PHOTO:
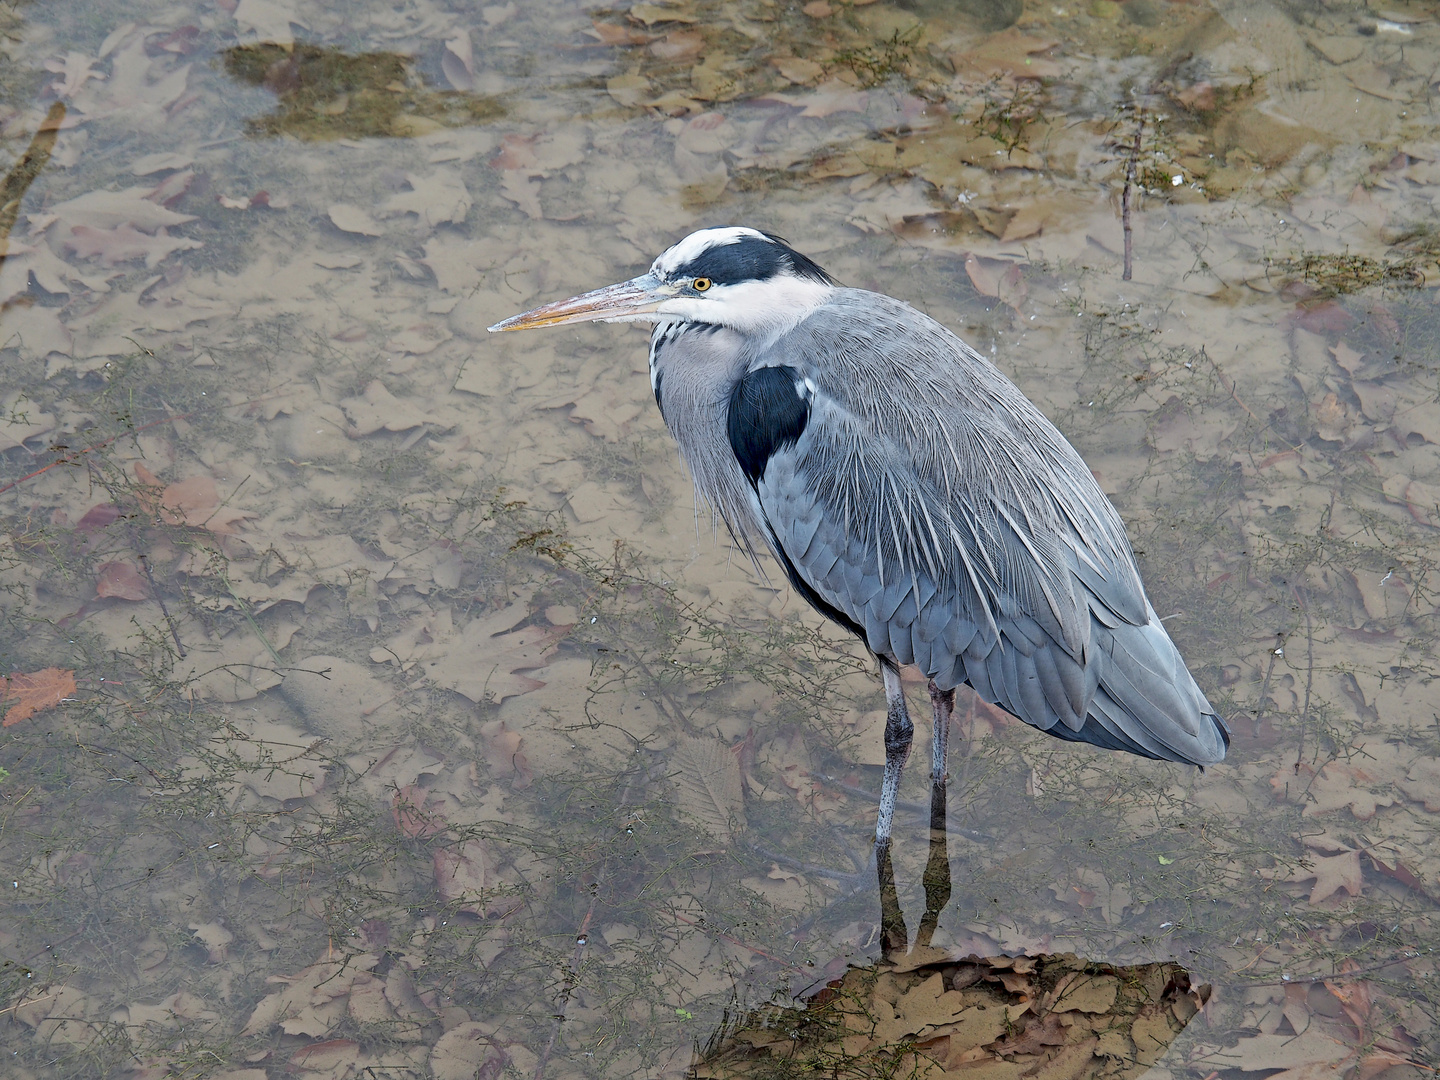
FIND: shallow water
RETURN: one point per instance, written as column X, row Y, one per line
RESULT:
column 420, row 725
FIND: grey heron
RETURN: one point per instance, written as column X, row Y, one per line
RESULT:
column 911, row 493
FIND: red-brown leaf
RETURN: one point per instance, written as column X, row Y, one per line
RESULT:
column 610, row 34
column 516, row 152
column 36, row 691
column 121, row 581
column 413, row 817
column 98, row 517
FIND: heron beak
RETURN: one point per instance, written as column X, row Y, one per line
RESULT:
column 638, row 296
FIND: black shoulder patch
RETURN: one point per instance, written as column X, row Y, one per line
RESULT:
column 659, row 378
column 767, row 413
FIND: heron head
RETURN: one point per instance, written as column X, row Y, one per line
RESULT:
column 736, row 277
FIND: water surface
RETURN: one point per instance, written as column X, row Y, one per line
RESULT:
column 420, row 725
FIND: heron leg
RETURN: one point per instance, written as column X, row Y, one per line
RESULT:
column 943, row 702
column 898, row 733
column 937, row 866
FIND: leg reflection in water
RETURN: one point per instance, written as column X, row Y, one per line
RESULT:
column 953, row 1012
column 894, row 938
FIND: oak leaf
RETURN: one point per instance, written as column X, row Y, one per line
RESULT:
column 124, row 243
column 435, row 199
column 517, row 153
column 110, row 209
column 827, row 99
column 1333, row 873
column 1336, row 786
column 38, row 690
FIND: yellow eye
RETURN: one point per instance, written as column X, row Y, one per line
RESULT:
column 700, row 284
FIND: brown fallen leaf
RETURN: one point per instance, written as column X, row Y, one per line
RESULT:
column 75, row 70
column 516, row 152
column 1332, row 873
column 502, row 751
column 467, row 1052
column 1337, row 785
column 125, row 243
column 215, row 937
column 1010, row 53
column 111, row 209
column 615, row 35
column 1393, row 868
column 35, row 692
column 797, row 69
column 629, row 89
column 1422, row 783
column 827, row 99
column 338, row 1057
column 1035, row 1037
column 193, row 501
column 352, row 219
column 313, row 1000
column 496, row 666
column 121, row 581
column 435, row 199
column 368, row 1003
column 181, row 41
column 679, row 45
column 650, row 14
column 98, row 517
column 21, row 420
column 998, row 278
column 463, row 876
column 954, row 1015
column 706, row 776
column 378, row 409
column 416, row 816
column 1332, row 418
column 523, row 192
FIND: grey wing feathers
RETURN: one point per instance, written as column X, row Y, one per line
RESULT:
column 942, row 517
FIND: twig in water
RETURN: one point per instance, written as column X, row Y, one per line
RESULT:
column 155, row 592
column 803, row 867
column 1304, row 980
column 1309, row 673
column 1125, row 192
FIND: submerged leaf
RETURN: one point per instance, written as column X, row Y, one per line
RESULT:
column 121, row 581
column 707, row 785
column 38, row 690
